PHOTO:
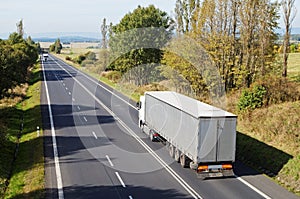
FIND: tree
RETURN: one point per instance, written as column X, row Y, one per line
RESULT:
column 20, row 28
column 104, row 34
column 56, row 47
column 110, row 31
column 289, row 14
column 184, row 12
column 16, row 55
column 137, row 40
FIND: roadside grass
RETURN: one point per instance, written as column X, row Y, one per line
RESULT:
column 10, row 126
column 270, row 141
column 28, row 168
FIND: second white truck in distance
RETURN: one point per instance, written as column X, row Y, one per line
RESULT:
column 198, row 135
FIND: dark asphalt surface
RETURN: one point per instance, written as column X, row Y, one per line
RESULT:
column 103, row 154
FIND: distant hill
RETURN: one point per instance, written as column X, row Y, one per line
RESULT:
column 294, row 31
column 66, row 39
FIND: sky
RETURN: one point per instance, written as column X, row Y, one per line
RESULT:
column 75, row 15
column 69, row 15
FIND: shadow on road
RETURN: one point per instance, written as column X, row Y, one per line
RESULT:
column 91, row 192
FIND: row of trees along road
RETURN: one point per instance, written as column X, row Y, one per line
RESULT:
column 16, row 55
column 239, row 36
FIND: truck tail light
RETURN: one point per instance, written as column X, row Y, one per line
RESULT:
column 227, row 166
column 202, row 168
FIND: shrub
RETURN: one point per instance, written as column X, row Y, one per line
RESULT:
column 90, row 56
column 252, row 98
column 68, row 58
column 113, row 76
column 80, row 59
column 280, row 90
column 268, row 91
column 87, row 63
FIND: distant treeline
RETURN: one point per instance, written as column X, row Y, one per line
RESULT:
column 16, row 56
column 294, row 37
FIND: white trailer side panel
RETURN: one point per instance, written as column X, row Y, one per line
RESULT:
column 202, row 132
column 176, row 126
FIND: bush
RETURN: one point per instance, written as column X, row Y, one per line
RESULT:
column 113, row 75
column 252, row 98
column 90, row 56
column 87, row 63
column 268, row 91
column 68, row 58
column 280, row 90
column 80, row 59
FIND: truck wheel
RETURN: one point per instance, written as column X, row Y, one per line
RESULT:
column 184, row 161
column 193, row 165
column 151, row 136
column 177, row 155
column 171, row 150
column 141, row 124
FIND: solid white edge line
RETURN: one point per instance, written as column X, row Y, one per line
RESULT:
column 252, row 187
column 108, row 159
column 120, row 179
column 55, row 151
column 184, row 184
column 94, row 134
column 130, row 197
column 128, row 129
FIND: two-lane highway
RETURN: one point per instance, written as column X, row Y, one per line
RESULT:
column 94, row 148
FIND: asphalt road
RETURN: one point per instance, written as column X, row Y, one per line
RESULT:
column 94, row 149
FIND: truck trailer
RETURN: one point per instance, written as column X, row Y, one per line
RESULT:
column 197, row 135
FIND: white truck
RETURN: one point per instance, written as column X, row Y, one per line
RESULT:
column 196, row 134
column 45, row 56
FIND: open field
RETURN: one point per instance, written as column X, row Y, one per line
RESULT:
column 81, row 46
column 294, row 66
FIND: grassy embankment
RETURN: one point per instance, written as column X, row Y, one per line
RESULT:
column 25, row 173
column 268, row 139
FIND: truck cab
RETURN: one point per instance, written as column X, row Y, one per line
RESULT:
column 141, row 108
column 45, row 56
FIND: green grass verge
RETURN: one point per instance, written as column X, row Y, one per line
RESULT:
column 294, row 66
column 28, row 168
column 270, row 142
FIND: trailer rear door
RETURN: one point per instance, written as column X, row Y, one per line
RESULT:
column 217, row 139
column 207, row 140
column 226, row 140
